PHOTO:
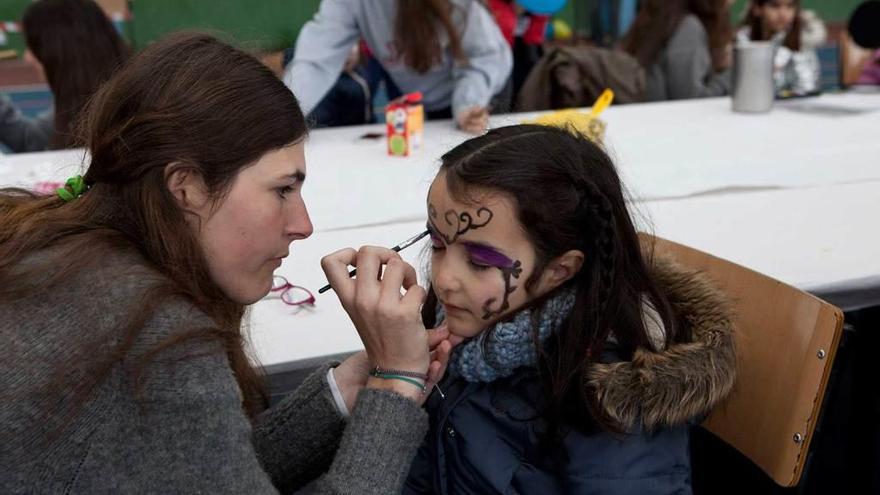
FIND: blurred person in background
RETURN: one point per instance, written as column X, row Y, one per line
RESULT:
column 452, row 51
column 76, row 48
column 684, row 46
column 796, row 33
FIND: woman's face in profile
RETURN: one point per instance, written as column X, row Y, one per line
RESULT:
column 247, row 234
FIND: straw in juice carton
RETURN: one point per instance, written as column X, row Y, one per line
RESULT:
column 405, row 119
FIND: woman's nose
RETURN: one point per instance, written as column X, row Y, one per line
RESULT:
column 299, row 224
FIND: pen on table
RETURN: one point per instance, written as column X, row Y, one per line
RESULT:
column 400, row 247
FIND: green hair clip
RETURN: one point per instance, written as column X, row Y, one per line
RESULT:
column 73, row 188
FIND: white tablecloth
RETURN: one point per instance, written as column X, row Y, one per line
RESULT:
column 822, row 240
column 663, row 150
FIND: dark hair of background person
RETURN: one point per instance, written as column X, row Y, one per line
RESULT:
column 416, row 33
column 864, row 25
column 568, row 195
column 657, row 21
column 756, row 26
column 169, row 106
column 79, row 49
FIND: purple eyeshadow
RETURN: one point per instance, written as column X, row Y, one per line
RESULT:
column 487, row 256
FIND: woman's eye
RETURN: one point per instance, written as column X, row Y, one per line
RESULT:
column 284, row 191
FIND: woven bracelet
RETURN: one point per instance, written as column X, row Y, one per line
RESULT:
column 386, row 376
column 412, row 374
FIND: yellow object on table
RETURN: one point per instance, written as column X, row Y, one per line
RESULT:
column 588, row 124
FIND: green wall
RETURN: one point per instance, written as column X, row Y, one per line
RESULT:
column 12, row 10
column 275, row 23
column 828, row 10
column 271, row 23
column 263, row 23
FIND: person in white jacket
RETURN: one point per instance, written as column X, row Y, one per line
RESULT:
column 797, row 33
column 452, row 51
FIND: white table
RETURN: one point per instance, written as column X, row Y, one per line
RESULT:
column 795, row 236
column 663, row 150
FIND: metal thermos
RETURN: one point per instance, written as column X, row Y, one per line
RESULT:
column 753, row 87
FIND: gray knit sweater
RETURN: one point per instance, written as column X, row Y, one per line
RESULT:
column 186, row 431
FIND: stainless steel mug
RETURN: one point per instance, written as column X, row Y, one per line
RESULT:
column 753, row 87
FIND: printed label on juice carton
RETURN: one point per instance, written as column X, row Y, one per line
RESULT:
column 405, row 120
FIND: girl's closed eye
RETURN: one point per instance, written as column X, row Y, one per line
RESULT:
column 477, row 265
column 482, row 257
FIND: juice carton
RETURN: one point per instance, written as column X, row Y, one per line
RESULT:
column 405, row 120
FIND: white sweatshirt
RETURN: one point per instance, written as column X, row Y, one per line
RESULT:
column 326, row 40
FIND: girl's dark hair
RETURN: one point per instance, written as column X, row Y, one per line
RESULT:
column 79, row 49
column 416, row 33
column 567, row 195
column 658, row 20
column 756, row 26
column 187, row 100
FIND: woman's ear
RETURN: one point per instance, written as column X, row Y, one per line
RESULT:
column 187, row 187
column 561, row 269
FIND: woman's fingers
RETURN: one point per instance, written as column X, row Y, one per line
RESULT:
column 454, row 339
column 437, row 335
column 370, row 260
column 335, row 266
column 398, row 274
column 439, row 362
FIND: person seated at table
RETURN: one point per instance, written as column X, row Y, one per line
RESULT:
column 450, row 50
column 123, row 295
column 75, row 47
column 586, row 361
column 797, row 33
column 684, row 46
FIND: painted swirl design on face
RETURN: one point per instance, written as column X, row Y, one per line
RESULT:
column 460, row 222
column 507, row 273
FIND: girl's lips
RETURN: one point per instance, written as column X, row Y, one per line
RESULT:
column 453, row 308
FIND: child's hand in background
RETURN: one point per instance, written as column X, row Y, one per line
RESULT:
column 474, row 120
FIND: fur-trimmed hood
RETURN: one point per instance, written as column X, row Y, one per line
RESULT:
column 683, row 381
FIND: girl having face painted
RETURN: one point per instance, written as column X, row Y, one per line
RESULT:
column 584, row 360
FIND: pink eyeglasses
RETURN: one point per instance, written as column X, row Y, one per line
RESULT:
column 293, row 295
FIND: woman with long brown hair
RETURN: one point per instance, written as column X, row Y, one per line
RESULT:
column 684, row 46
column 77, row 48
column 123, row 295
column 450, row 50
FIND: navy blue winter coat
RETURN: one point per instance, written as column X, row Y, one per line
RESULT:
column 488, row 438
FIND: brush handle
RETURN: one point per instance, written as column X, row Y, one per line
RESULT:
column 396, row 249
